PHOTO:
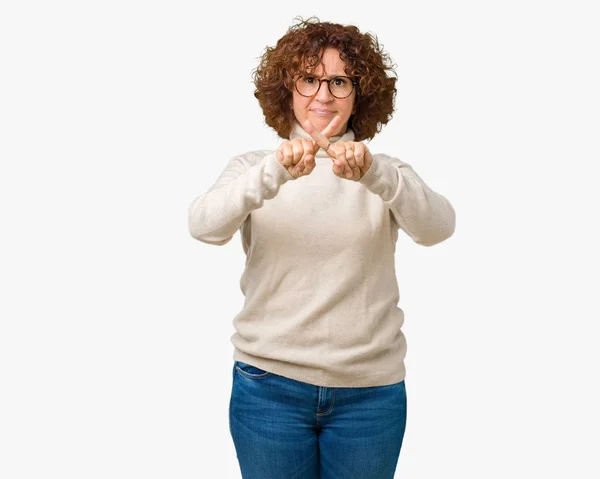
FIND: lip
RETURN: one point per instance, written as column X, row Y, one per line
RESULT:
column 322, row 111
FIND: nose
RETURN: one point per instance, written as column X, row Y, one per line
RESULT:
column 324, row 95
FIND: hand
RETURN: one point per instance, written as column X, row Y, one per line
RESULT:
column 351, row 159
column 298, row 155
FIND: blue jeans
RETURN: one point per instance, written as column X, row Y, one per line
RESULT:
column 288, row 429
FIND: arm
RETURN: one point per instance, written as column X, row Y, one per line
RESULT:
column 426, row 216
column 215, row 216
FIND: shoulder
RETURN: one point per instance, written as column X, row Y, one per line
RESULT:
column 392, row 160
column 251, row 158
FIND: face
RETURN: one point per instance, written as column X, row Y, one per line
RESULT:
column 321, row 108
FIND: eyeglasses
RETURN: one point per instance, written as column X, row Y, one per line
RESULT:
column 340, row 87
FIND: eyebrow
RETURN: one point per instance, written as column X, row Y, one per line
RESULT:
column 329, row 77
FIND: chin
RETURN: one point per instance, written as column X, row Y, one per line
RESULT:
column 321, row 121
column 314, row 119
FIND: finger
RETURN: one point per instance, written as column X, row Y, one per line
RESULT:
column 309, row 164
column 359, row 155
column 340, row 158
column 327, row 131
column 286, row 153
column 351, row 159
column 344, row 151
column 298, row 151
column 322, row 138
column 319, row 138
column 338, row 168
column 309, row 147
column 315, row 147
column 299, row 168
column 332, row 127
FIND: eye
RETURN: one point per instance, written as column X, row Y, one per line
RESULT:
column 340, row 81
column 309, row 80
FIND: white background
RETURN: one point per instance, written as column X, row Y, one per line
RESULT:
column 115, row 359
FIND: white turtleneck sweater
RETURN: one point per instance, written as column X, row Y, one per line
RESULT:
column 320, row 287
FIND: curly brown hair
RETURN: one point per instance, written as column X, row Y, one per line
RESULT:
column 301, row 49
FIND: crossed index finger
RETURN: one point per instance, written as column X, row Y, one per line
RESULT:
column 322, row 137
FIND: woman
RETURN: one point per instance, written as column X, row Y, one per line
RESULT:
column 318, row 374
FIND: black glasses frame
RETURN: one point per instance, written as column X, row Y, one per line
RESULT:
column 328, row 87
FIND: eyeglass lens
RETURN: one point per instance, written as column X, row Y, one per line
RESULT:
column 340, row 87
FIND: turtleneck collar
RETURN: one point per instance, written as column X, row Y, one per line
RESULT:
column 299, row 132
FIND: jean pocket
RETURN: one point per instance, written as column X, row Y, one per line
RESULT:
column 249, row 371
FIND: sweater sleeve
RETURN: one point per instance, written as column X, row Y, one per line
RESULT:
column 215, row 216
column 426, row 216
